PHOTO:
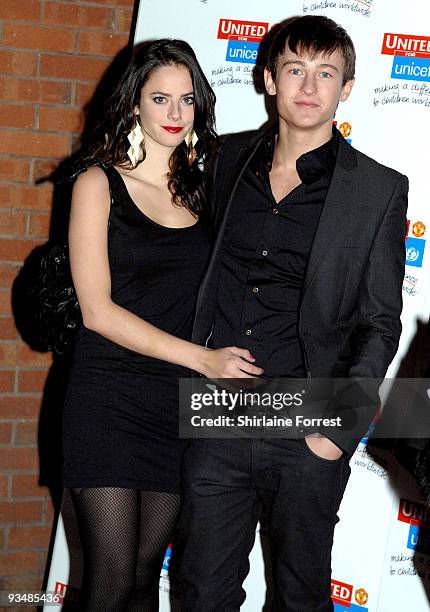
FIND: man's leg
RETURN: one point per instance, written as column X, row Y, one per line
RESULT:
column 302, row 517
column 219, row 518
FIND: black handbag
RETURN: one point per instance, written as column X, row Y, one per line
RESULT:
column 45, row 304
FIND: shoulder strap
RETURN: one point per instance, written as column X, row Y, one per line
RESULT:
column 67, row 172
column 82, row 165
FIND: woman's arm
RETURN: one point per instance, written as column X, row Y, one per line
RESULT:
column 91, row 276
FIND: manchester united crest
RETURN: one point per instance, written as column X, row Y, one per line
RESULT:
column 345, row 129
column 361, row 596
column 418, row 229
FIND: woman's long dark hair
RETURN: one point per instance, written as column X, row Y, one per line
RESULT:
column 108, row 140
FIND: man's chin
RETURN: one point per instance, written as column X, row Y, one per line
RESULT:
column 307, row 123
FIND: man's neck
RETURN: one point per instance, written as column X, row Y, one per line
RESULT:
column 293, row 142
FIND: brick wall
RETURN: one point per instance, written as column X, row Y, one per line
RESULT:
column 52, row 54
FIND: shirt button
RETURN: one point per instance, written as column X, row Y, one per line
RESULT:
column 255, row 290
column 264, row 253
column 248, row 332
column 275, row 211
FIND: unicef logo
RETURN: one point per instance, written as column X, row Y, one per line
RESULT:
column 412, row 254
column 415, row 252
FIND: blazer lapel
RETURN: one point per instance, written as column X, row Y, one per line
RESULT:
column 333, row 215
column 226, row 184
column 224, row 195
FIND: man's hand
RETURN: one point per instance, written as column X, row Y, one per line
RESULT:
column 323, row 447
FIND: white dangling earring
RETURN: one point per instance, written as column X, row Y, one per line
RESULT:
column 136, row 139
column 191, row 140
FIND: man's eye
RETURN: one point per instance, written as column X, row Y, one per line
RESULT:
column 159, row 99
column 189, row 100
column 295, row 71
column 325, row 75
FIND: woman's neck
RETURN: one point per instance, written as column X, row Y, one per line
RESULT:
column 155, row 167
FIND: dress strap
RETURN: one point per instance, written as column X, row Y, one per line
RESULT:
column 67, row 172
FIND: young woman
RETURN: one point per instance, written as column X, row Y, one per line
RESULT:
column 138, row 247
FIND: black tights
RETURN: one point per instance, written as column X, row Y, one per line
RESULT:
column 124, row 534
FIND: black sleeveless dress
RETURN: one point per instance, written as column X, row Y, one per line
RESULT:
column 120, row 425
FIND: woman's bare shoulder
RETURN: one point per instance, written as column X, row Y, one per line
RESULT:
column 92, row 179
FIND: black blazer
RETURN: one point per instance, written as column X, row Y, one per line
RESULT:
column 349, row 316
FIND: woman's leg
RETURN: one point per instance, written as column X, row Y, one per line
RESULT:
column 158, row 518
column 108, row 520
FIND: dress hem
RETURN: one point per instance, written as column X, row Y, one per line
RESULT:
column 129, row 484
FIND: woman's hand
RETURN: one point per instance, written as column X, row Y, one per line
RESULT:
column 228, row 362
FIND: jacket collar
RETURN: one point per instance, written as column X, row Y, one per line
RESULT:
column 346, row 157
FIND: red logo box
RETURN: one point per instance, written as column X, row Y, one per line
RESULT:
column 405, row 44
column 341, row 593
column 235, row 29
column 413, row 513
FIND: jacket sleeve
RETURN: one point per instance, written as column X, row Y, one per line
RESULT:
column 375, row 338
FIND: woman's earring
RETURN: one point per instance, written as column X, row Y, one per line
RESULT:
column 191, row 140
column 136, row 139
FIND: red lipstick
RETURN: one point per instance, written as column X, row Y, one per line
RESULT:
column 172, row 129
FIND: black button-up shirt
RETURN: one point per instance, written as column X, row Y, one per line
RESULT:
column 265, row 254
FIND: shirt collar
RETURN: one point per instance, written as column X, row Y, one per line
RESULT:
column 311, row 166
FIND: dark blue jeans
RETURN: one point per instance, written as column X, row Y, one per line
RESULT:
column 226, row 484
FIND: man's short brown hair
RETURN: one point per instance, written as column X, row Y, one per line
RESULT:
column 312, row 34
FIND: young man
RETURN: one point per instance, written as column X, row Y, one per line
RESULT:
column 306, row 274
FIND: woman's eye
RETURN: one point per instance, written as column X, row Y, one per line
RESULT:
column 159, row 99
column 325, row 75
column 189, row 100
column 295, row 71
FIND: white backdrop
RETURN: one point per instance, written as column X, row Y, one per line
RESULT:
column 375, row 564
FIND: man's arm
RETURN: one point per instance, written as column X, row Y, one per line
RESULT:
column 375, row 338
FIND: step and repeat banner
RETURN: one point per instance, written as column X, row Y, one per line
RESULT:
column 381, row 555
